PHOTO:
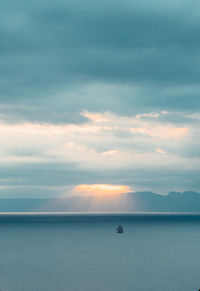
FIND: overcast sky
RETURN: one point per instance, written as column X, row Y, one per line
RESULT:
column 99, row 92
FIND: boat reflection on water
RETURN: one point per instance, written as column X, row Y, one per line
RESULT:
column 119, row 229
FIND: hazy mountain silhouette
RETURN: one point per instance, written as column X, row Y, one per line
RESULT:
column 138, row 202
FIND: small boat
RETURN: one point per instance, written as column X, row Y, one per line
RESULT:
column 119, row 229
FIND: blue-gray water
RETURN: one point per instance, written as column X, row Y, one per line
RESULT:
column 81, row 252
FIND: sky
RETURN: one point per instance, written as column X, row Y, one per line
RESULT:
column 99, row 93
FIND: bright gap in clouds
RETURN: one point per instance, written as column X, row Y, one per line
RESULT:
column 101, row 190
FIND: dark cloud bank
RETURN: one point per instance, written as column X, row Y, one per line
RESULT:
column 52, row 53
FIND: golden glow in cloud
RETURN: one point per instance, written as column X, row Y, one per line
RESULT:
column 96, row 117
column 100, row 190
column 110, row 153
column 160, row 151
column 161, row 131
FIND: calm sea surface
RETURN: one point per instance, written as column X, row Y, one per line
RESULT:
column 82, row 252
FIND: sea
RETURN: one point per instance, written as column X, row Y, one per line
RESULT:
column 83, row 252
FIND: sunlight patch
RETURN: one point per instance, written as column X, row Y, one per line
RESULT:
column 101, row 190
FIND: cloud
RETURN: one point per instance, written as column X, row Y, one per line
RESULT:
column 92, row 144
column 100, row 88
column 58, row 60
column 160, row 151
column 94, row 151
column 108, row 153
column 162, row 132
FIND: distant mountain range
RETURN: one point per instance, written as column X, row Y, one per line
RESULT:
column 137, row 202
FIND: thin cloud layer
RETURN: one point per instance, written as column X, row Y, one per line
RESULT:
column 106, row 142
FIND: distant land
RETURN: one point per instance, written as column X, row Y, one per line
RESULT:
column 137, row 202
